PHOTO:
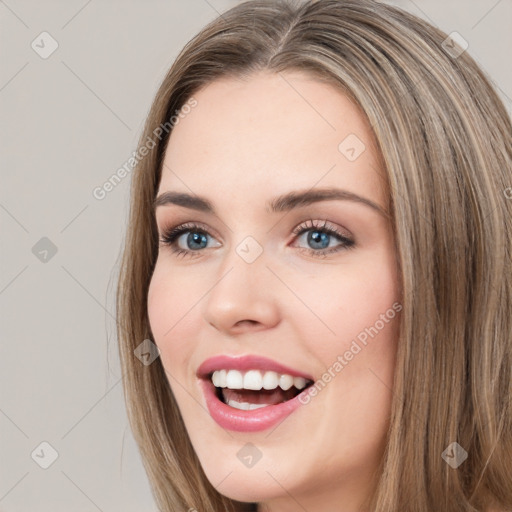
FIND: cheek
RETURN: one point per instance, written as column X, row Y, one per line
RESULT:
column 159, row 305
column 372, row 315
column 170, row 315
column 347, row 302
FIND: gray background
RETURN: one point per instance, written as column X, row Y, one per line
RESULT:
column 68, row 123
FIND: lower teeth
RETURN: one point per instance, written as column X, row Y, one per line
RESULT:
column 245, row 406
column 248, row 400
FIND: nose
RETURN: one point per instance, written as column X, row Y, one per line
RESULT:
column 242, row 297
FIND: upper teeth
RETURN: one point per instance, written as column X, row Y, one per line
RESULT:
column 253, row 379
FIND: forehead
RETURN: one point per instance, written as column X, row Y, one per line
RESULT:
column 269, row 133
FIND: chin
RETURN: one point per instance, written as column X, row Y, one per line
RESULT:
column 244, row 484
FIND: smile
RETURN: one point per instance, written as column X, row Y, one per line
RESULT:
column 250, row 397
column 233, row 387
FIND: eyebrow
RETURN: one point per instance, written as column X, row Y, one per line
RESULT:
column 283, row 203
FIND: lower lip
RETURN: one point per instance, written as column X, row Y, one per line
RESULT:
column 256, row 420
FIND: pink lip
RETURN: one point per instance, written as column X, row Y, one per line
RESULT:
column 230, row 418
column 246, row 421
column 244, row 363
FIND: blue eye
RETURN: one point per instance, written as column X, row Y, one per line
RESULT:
column 196, row 239
column 319, row 237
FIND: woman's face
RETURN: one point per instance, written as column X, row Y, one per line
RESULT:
column 310, row 285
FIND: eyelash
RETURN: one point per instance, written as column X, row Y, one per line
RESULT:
column 170, row 236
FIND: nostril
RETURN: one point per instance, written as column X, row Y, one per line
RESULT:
column 242, row 322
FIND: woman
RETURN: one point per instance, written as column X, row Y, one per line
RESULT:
column 320, row 247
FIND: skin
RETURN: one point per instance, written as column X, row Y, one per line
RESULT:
column 244, row 143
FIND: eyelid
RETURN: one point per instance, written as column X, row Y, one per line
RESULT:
column 322, row 224
column 301, row 226
column 170, row 236
column 191, row 225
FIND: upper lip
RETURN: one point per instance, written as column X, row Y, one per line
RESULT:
column 246, row 362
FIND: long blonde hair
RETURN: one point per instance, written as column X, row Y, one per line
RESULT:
column 445, row 142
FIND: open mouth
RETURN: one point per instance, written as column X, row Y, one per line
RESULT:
column 254, row 389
